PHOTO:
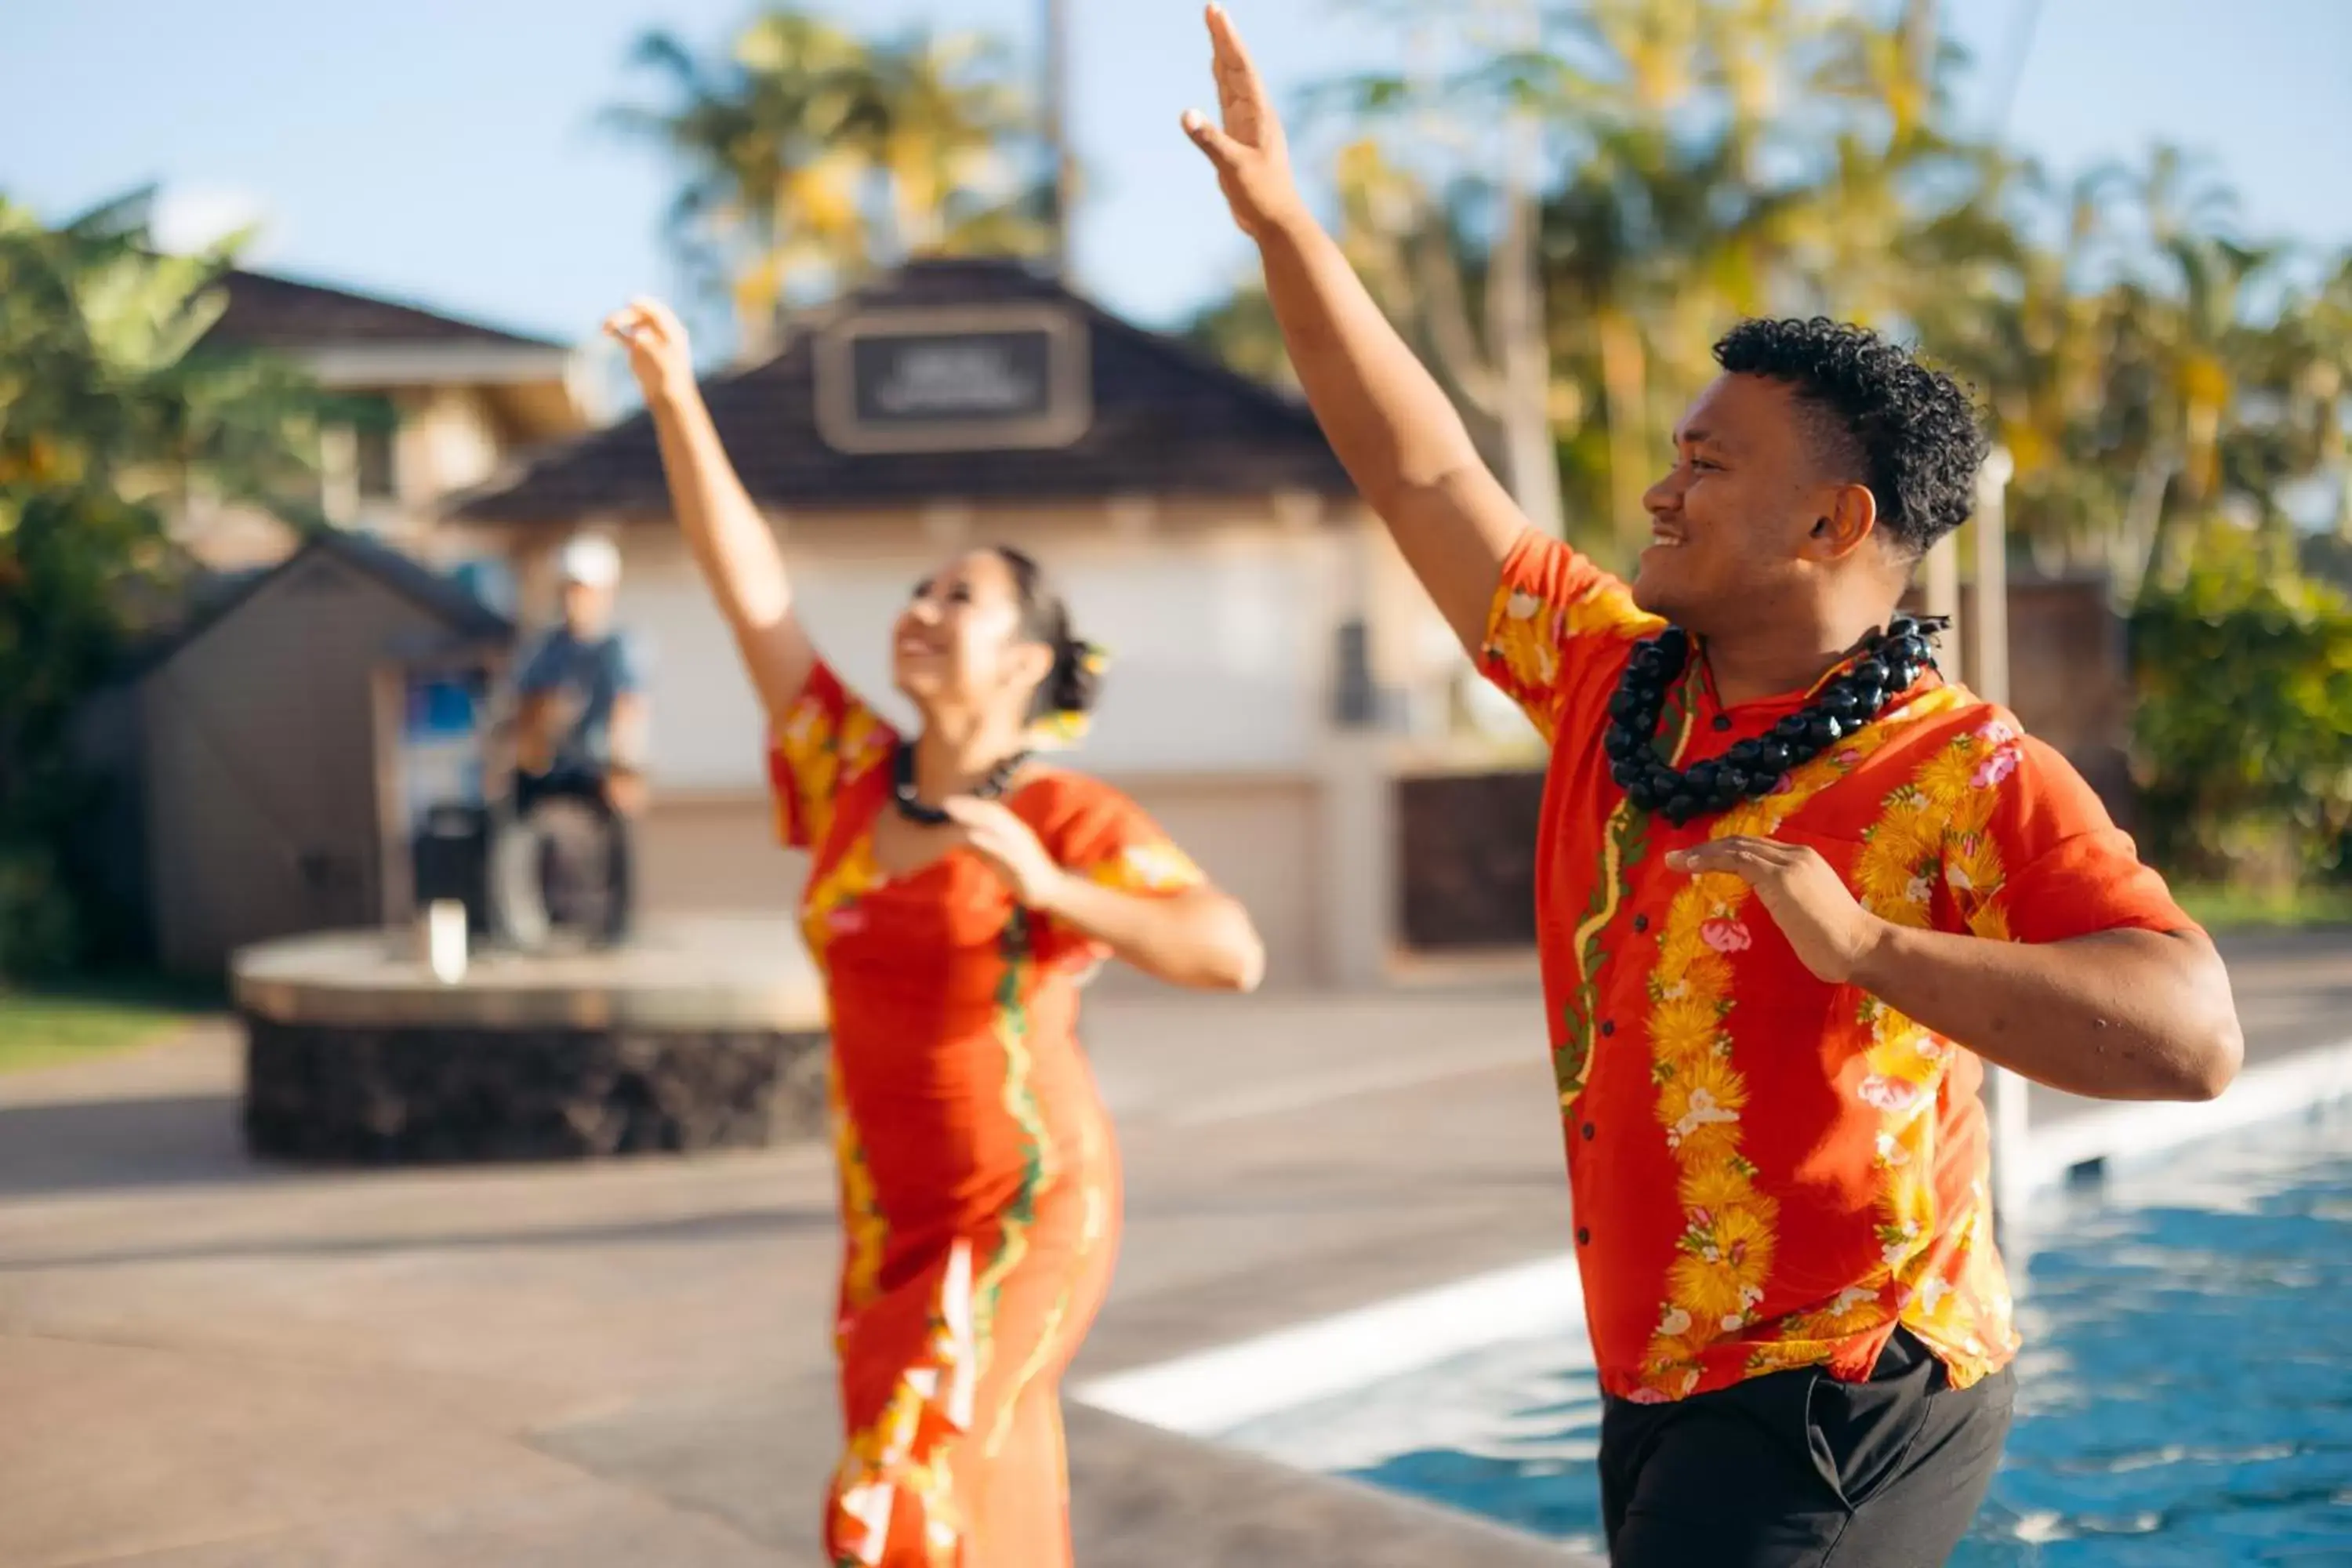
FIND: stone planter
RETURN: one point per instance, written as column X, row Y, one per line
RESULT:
column 324, row 1092
column 700, row 1035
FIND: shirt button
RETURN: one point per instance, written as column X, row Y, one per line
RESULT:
column 1583, row 1236
column 1723, row 720
column 1608, row 1028
column 1588, row 1133
column 1641, row 922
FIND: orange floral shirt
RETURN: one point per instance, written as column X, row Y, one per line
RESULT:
column 1769, row 1172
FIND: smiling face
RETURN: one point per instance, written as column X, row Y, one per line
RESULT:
column 1750, row 513
column 962, row 642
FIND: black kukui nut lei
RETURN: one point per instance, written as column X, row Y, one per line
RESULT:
column 902, row 786
column 1889, row 662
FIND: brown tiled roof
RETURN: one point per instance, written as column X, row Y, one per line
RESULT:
column 445, row 599
column 1167, row 421
column 271, row 312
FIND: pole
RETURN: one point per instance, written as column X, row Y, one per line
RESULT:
column 1989, row 646
column 1940, row 588
column 1062, row 191
column 1988, row 639
column 1520, row 349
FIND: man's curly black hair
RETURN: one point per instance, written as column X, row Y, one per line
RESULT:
column 1910, row 433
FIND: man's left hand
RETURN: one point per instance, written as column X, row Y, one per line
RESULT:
column 1832, row 933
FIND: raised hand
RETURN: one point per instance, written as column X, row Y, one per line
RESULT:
column 1831, row 932
column 1251, row 154
column 659, row 355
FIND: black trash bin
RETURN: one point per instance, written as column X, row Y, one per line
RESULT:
column 452, row 860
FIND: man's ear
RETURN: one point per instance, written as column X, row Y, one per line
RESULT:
column 1848, row 517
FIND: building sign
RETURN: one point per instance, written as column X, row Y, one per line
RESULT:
column 973, row 379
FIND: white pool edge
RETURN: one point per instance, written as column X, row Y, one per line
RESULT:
column 1215, row 1390
column 2124, row 1131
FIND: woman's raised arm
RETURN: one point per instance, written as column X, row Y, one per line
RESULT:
column 731, row 541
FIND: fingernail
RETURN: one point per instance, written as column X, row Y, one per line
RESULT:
column 1192, row 120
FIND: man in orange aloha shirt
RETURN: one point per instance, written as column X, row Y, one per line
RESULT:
column 1793, row 889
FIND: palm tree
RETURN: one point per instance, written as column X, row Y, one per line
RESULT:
column 772, row 201
column 949, row 136
column 1715, row 158
column 811, row 157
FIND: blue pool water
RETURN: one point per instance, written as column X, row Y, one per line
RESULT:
column 2185, row 1396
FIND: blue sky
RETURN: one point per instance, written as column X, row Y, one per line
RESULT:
column 445, row 150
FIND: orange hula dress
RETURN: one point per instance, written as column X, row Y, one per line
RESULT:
column 979, row 1184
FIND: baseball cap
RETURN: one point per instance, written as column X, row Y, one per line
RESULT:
column 592, row 559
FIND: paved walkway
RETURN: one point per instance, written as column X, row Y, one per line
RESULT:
column 207, row 1362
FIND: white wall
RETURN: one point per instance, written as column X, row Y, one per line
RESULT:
column 1221, row 652
column 446, row 442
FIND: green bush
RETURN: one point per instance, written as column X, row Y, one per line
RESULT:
column 2244, row 727
column 110, row 416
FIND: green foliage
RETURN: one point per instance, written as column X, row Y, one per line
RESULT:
column 2244, row 729
column 111, row 418
column 2148, row 366
column 1239, row 332
column 810, row 156
column 51, row 1028
column 2223, row 907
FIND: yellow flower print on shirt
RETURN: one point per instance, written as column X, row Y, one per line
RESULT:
column 1153, row 865
column 1527, row 637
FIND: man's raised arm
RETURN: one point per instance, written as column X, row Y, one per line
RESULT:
column 1385, row 415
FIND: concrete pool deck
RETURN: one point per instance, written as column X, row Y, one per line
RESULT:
column 211, row 1363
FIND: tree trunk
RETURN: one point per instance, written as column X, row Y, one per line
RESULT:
column 1623, row 384
column 2134, row 555
column 1063, row 187
column 1522, row 354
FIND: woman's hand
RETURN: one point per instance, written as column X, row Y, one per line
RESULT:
column 733, row 544
column 1197, row 937
column 1013, row 852
column 659, row 356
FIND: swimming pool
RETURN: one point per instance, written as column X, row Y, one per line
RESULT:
column 2185, row 1395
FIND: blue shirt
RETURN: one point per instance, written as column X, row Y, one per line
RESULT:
column 585, row 677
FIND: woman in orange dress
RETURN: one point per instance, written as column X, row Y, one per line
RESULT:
column 958, row 895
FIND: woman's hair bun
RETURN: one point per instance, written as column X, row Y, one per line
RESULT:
column 1070, row 689
column 1076, row 680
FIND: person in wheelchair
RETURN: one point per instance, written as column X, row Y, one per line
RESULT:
column 581, row 717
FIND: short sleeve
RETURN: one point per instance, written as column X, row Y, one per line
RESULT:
column 2042, row 862
column 828, row 739
column 1554, row 614
column 1110, row 840
column 543, row 671
column 1100, row 834
column 630, row 661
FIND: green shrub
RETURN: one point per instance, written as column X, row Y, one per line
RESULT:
column 2243, row 733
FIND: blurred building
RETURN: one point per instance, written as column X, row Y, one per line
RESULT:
column 258, row 769
column 434, row 404
column 266, row 767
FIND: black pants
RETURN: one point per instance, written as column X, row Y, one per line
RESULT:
column 1798, row 1471
column 588, row 788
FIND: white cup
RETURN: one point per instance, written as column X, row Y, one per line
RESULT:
column 445, row 940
